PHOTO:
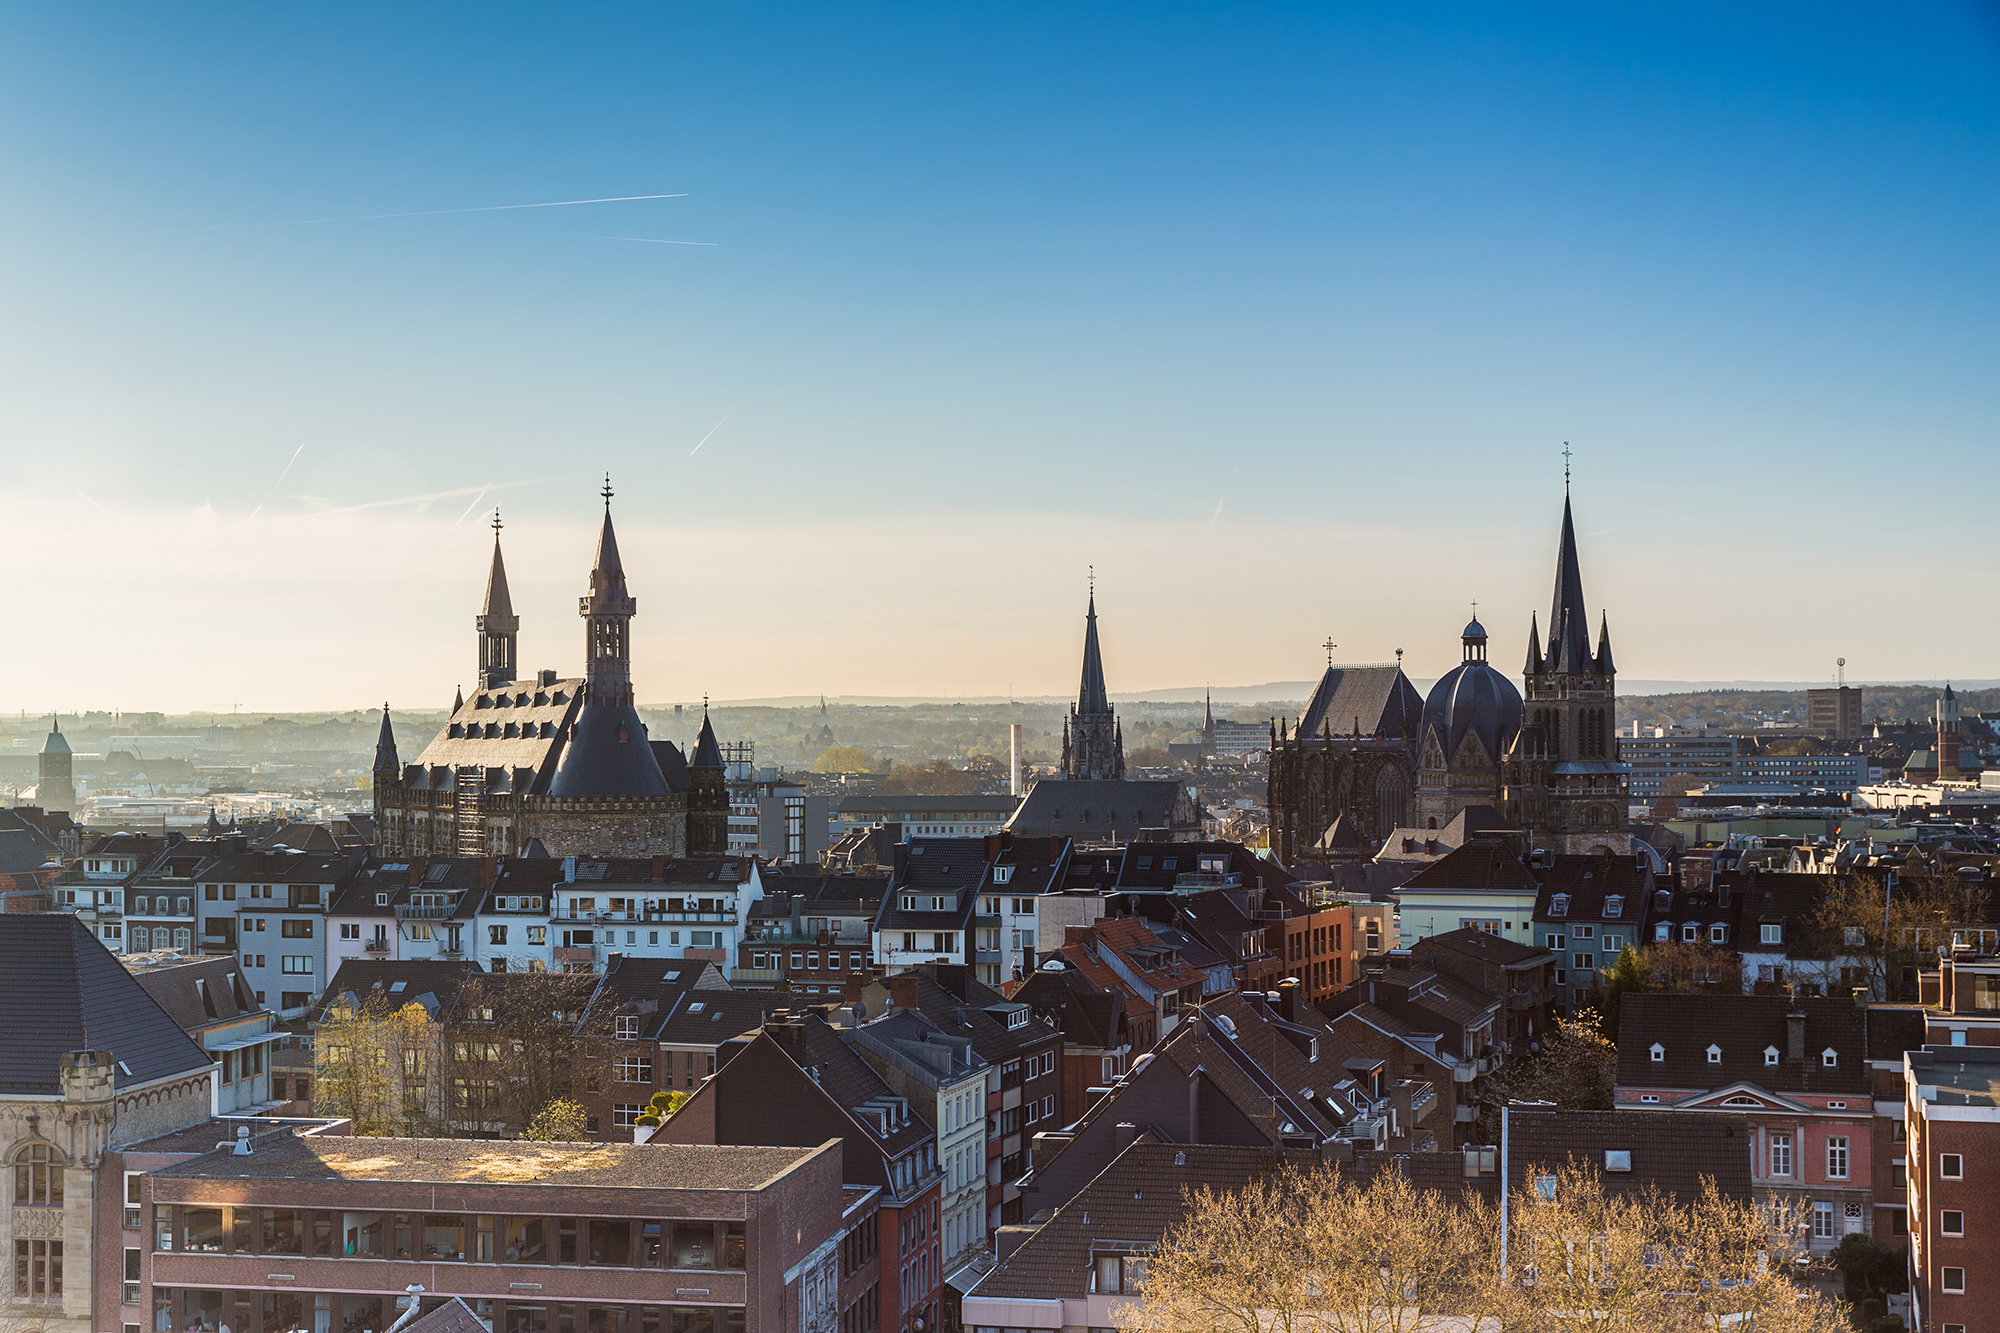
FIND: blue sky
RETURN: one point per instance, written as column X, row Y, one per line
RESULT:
column 1279, row 317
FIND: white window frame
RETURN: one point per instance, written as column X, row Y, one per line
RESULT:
column 1836, row 1157
column 1781, row 1152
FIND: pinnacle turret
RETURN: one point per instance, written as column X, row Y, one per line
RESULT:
column 497, row 624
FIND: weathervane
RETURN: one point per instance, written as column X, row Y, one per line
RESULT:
column 1565, row 467
column 607, row 492
column 1093, row 579
column 496, row 523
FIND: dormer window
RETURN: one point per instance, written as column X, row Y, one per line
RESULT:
column 1830, row 1058
column 1718, row 933
column 1559, row 905
column 1691, row 933
column 1771, row 932
column 1770, row 1057
column 1659, row 1053
column 1714, row 1054
column 1614, row 905
column 1663, row 931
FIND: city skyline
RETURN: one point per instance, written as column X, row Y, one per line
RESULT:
column 1280, row 322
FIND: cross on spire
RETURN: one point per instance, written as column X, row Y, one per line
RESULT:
column 606, row 492
column 1329, row 645
column 496, row 522
column 1475, row 610
column 1565, row 467
column 1093, row 579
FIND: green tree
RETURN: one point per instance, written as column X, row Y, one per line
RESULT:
column 844, row 759
column 936, row 778
column 662, row 1105
column 1627, row 974
column 561, row 1121
column 374, row 1062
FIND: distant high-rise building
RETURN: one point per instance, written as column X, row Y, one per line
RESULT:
column 1834, row 713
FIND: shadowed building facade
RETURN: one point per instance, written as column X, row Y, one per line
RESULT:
column 563, row 760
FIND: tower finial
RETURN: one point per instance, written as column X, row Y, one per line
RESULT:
column 607, row 492
column 1565, row 467
column 1093, row 579
column 1475, row 610
column 1329, row 645
column 496, row 522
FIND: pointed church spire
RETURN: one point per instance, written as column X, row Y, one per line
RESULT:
column 707, row 753
column 497, row 624
column 1569, row 623
column 385, row 749
column 1091, row 697
column 1534, row 666
column 1604, row 666
column 457, row 700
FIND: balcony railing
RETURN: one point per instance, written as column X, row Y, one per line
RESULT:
column 376, row 946
column 584, row 953
column 427, row 912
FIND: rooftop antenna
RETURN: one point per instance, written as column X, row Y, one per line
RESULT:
column 1565, row 467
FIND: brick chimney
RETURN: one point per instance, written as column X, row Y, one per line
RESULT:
column 1795, row 1037
column 789, row 1031
column 1288, row 999
column 903, row 990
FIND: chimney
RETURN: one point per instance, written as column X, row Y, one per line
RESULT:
column 903, row 990
column 851, row 988
column 789, row 1033
column 489, row 870
column 1795, row 1037
column 1123, row 1134
column 1288, row 999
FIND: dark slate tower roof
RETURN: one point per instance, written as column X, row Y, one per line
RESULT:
column 67, row 992
column 707, row 754
column 1092, row 697
column 1375, row 700
column 1569, row 623
column 499, row 608
column 385, row 751
column 56, row 744
column 1534, row 647
column 608, row 753
column 1604, row 665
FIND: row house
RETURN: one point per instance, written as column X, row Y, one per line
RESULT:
column 1587, row 910
column 1521, row 977
column 928, row 906
column 269, row 908
column 796, row 1082
column 1797, row 1070
column 1101, row 1024
column 95, row 885
column 1024, row 1074
column 1128, row 954
column 657, row 1027
column 1433, row 1025
column 207, row 996
column 1007, row 940
column 1251, row 1072
column 408, row 910
column 293, row 1230
column 810, row 934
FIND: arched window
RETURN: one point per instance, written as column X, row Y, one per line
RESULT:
column 38, row 1176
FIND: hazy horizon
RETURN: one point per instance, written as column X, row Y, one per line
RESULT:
column 1278, row 318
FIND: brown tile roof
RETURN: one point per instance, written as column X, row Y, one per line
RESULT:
column 1672, row 1150
column 1743, row 1027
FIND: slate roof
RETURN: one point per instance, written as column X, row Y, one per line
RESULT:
column 1743, row 1026
column 849, row 1081
column 540, row 716
column 1379, row 699
column 438, row 979
column 1569, row 623
column 683, row 1166
column 1139, row 1197
column 1671, row 1150
column 711, row 1017
column 1091, row 696
column 1159, row 865
column 1894, row 1029
column 951, row 997
column 170, row 981
column 1587, row 881
column 1484, row 865
column 66, row 992
column 21, row 853
column 454, row 1316
column 1495, row 949
column 1103, row 808
column 1088, row 1014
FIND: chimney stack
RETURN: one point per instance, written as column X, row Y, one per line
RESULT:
column 1288, row 999
column 903, row 990
column 1795, row 1037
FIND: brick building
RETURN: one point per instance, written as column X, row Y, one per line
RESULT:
column 1952, row 1108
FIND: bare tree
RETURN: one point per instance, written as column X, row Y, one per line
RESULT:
column 1577, row 1068
column 376, row 1062
column 517, row 1041
column 1307, row 1250
column 1887, row 925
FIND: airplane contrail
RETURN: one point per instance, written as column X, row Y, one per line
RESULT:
column 647, row 240
column 440, row 212
column 433, row 495
column 1218, row 501
column 281, row 477
column 716, row 427
column 475, row 502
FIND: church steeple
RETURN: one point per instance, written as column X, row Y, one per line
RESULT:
column 497, row 624
column 608, row 608
column 1534, row 647
column 1093, row 743
column 1604, row 665
column 385, row 748
column 1569, row 623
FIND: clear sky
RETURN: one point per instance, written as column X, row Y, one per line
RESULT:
column 1277, row 316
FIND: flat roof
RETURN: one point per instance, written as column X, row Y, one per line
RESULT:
column 1962, row 1075
column 501, row 1162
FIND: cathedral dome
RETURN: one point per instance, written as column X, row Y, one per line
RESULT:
column 1473, row 697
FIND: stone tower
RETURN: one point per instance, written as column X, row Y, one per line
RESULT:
column 55, row 789
column 1563, row 781
column 1093, row 740
column 1950, row 735
column 708, row 796
column 388, row 768
column 497, row 624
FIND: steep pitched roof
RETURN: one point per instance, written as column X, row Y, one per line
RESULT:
column 1379, row 700
column 1673, row 1151
column 1485, row 864
column 1743, row 1028
column 66, row 992
column 499, row 609
column 385, row 760
column 1091, row 696
column 1569, row 623
column 170, row 980
column 707, row 753
column 432, row 982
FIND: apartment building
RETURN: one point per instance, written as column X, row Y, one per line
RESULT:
column 1952, row 1111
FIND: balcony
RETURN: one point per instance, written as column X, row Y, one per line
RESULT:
column 1207, row 879
column 376, row 946
column 407, row 912
column 1532, row 998
column 575, row 953
column 1464, row 1072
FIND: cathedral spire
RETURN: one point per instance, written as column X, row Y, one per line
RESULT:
column 385, row 749
column 1091, row 697
column 1569, row 623
column 1534, row 647
column 1604, row 666
column 497, row 624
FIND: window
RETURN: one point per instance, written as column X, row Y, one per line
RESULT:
column 38, row 1176
column 350, row 930
column 1659, row 1053
column 1830, row 1058
column 1770, row 933
column 296, row 930
column 538, row 934
column 1650, row 1098
column 1836, row 1157
column 1718, row 934
column 1714, row 1054
column 1951, row 1166
column 1583, row 962
column 1822, row 1220
column 496, row 934
column 38, row 1269
column 626, row 1027
column 1951, row 1222
column 634, row 1068
column 296, row 965
column 624, row 1115
column 1691, row 933
column 1954, row 1279
column 1781, row 1154
column 1770, row 1056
